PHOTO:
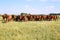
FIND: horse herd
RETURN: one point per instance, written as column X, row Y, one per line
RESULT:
column 29, row 17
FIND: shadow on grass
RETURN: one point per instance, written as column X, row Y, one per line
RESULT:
column 3, row 22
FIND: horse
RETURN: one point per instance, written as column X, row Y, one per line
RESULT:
column 6, row 17
column 52, row 17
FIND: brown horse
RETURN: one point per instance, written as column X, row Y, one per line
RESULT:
column 40, row 17
column 6, row 17
column 36, row 17
column 13, row 17
column 21, row 18
column 25, row 18
column 45, row 17
column 30, row 17
column 52, row 17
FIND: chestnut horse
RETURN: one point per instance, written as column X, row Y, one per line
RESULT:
column 6, row 17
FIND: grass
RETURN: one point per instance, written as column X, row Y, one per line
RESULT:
column 30, row 30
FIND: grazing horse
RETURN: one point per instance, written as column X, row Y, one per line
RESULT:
column 6, row 17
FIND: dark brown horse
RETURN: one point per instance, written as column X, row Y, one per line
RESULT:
column 30, row 17
column 21, row 18
column 44, row 17
column 13, row 17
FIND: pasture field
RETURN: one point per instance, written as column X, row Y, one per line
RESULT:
column 30, row 30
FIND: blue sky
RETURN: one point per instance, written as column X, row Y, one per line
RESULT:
column 29, row 6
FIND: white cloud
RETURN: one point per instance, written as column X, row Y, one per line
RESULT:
column 50, row 9
column 43, row 10
column 29, row 9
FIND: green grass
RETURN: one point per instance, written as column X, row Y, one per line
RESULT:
column 30, row 30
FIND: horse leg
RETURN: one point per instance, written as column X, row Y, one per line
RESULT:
column 6, row 20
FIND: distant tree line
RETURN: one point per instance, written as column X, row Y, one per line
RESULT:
column 54, row 14
column 24, row 14
column 39, row 14
column 42, row 14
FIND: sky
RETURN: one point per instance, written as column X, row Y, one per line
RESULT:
column 29, row 6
